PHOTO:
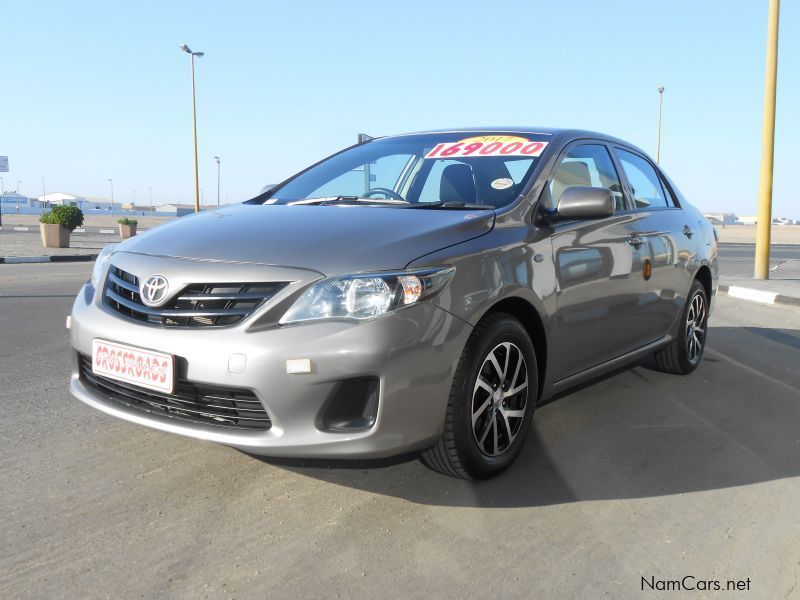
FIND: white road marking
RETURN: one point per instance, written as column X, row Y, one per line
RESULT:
column 18, row 228
column 108, row 231
column 746, row 293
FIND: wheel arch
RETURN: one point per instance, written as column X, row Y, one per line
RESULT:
column 531, row 320
column 703, row 275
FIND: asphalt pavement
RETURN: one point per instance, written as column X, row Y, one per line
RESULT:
column 639, row 475
column 738, row 260
column 15, row 245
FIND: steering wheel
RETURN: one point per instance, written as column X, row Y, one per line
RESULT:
column 386, row 192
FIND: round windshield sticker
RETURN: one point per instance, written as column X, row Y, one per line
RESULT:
column 503, row 183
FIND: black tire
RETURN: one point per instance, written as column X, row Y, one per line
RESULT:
column 459, row 453
column 685, row 352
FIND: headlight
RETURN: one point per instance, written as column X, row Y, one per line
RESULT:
column 368, row 295
column 101, row 264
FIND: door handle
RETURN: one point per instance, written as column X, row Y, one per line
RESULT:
column 688, row 231
column 635, row 241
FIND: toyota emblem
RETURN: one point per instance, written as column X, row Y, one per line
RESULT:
column 154, row 290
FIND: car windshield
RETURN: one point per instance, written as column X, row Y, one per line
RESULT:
column 436, row 170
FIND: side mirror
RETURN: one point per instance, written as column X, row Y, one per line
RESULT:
column 583, row 202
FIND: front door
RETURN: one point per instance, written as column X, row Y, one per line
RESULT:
column 599, row 269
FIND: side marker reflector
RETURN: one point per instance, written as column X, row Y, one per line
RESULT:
column 295, row 366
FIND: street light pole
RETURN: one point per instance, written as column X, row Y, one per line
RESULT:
column 44, row 195
column 217, row 159
column 186, row 49
column 660, row 103
column 112, row 195
column 149, row 189
column 764, row 224
column 17, row 191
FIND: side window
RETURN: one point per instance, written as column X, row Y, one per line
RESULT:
column 645, row 185
column 384, row 173
column 585, row 165
column 670, row 196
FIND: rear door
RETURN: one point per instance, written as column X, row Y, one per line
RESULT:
column 662, row 223
column 599, row 268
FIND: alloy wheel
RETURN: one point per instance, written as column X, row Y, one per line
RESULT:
column 696, row 328
column 499, row 399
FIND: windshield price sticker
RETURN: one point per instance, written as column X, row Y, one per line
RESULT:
column 488, row 145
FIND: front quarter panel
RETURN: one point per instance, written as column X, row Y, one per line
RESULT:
column 499, row 265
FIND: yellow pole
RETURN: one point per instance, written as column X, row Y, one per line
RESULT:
column 194, row 120
column 763, row 227
column 660, row 102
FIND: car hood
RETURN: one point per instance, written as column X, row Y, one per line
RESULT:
column 332, row 240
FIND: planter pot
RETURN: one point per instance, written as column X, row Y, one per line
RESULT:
column 54, row 236
column 127, row 231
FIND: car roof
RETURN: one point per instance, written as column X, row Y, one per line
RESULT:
column 496, row 129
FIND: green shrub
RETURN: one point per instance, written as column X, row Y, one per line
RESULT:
column 68, row 216
column 127, row 221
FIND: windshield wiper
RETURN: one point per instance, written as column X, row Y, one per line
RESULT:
column 453, row 205
column 346, row 200
column 320, row 200
column 330, row 200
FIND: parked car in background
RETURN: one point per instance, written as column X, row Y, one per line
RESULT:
column 419, row 292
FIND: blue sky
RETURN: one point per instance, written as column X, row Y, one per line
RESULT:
column 93, row 90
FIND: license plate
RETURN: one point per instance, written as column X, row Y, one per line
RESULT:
column 145, row 368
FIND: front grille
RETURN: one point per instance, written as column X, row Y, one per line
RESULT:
column 193, row 402
column 196, row 305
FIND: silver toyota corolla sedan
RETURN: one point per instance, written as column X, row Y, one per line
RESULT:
column 418, row 292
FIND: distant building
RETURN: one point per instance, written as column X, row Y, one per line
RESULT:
column 11, row 200
column 178, row 210
column 721, row 218
column 748, row 220
column 139, row 208
column 99, row 203
column 82, row 202
column 61, row 198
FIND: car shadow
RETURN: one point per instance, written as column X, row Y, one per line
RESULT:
column 638, row 433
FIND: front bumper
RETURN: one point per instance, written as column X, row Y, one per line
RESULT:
column 412, row 352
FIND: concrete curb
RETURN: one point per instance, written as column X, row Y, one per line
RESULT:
column 87, row 230
column 752, row 244
column 90, row 230
column 17, row 260
column 761, row 296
